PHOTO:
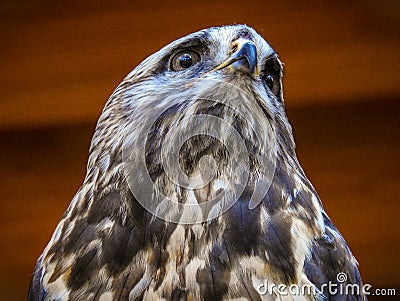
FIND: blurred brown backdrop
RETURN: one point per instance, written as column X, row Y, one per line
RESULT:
column 61, row 60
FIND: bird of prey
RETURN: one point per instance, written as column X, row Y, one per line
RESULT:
column 193, row 189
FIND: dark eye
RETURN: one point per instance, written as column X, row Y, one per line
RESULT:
column 184, row 59
column 272, row 83
column 271, row 74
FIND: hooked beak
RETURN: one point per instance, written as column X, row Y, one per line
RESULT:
column 244, row 59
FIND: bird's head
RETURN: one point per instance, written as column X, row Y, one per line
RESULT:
column 204, row 112
column 230, row 54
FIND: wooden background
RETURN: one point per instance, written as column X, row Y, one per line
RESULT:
column 61, row 60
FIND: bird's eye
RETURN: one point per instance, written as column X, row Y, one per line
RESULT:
column 272, row 83
column 271, row 75
column 184, row 59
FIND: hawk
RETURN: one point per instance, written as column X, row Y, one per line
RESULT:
column 193, row 189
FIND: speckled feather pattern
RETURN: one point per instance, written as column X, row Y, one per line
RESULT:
column 108, row 247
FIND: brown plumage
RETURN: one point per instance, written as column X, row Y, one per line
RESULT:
column 193, row 190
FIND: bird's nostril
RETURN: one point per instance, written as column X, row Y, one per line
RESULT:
column 233, row 49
